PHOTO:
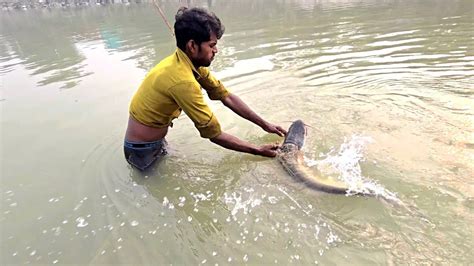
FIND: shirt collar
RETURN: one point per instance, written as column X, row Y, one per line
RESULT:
column 183, row 57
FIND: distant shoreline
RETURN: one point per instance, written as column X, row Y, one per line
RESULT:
column 24, row 5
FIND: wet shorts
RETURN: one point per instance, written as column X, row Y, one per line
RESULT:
column 143, row 154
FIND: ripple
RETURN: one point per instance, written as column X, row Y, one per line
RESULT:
column 394, row 34
column 394, row 43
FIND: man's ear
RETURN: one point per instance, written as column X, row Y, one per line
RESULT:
column 192, row 47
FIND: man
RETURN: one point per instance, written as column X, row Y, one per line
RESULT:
column 174, row 85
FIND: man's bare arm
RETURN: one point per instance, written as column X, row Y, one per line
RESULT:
column 233, row 143
column 233, row 102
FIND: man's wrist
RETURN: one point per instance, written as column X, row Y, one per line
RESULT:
column 263, row 124
column 255, row 150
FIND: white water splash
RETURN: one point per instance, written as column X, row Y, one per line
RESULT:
column 237, row 203
column 81, row 222
column 344, row 164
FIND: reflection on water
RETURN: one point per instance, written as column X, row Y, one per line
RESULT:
column 399, row 73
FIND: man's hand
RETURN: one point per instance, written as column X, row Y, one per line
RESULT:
column 268, row 150
column 271, row 128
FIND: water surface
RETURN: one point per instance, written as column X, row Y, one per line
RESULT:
column 384, row 86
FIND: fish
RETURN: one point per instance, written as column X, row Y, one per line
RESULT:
column 291, row 158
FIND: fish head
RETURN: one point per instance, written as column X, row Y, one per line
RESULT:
column 296, row 134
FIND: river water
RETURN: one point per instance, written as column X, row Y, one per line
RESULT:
column 385, row 87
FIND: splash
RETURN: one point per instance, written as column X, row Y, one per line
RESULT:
column 238, row 203
column 344, row 164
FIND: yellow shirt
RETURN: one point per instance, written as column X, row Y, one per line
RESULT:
column 173, row 85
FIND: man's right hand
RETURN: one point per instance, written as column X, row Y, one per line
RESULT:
column 269, row 150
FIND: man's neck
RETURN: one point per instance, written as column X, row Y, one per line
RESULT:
column 188, row 54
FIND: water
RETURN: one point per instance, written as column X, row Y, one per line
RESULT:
column 385, row 87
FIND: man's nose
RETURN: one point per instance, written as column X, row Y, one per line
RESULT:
column 215, row 49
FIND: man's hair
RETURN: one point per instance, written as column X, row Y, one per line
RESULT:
column 196, row 24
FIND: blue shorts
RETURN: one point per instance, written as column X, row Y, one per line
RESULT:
column 143, row 154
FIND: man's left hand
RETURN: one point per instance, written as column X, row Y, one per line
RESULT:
column 271, row 128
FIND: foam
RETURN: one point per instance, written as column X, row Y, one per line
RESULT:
column 344, row 164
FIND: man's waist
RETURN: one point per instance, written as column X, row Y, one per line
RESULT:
column 143, row 144
column 139, row 132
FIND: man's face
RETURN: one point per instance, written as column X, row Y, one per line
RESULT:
column 206, row 52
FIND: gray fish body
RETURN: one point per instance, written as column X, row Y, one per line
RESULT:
column 291, row 158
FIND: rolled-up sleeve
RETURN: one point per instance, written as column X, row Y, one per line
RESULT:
column 214, row 87
column 189, row 98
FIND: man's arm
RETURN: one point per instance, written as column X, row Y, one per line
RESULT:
column 190, row 99
column 239, row 107
column 233, row 143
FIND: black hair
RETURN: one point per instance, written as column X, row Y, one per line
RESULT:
column 196, row 24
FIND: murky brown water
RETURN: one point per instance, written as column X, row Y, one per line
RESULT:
column 386, row 86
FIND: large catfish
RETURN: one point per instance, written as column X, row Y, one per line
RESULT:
column 291, row 157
